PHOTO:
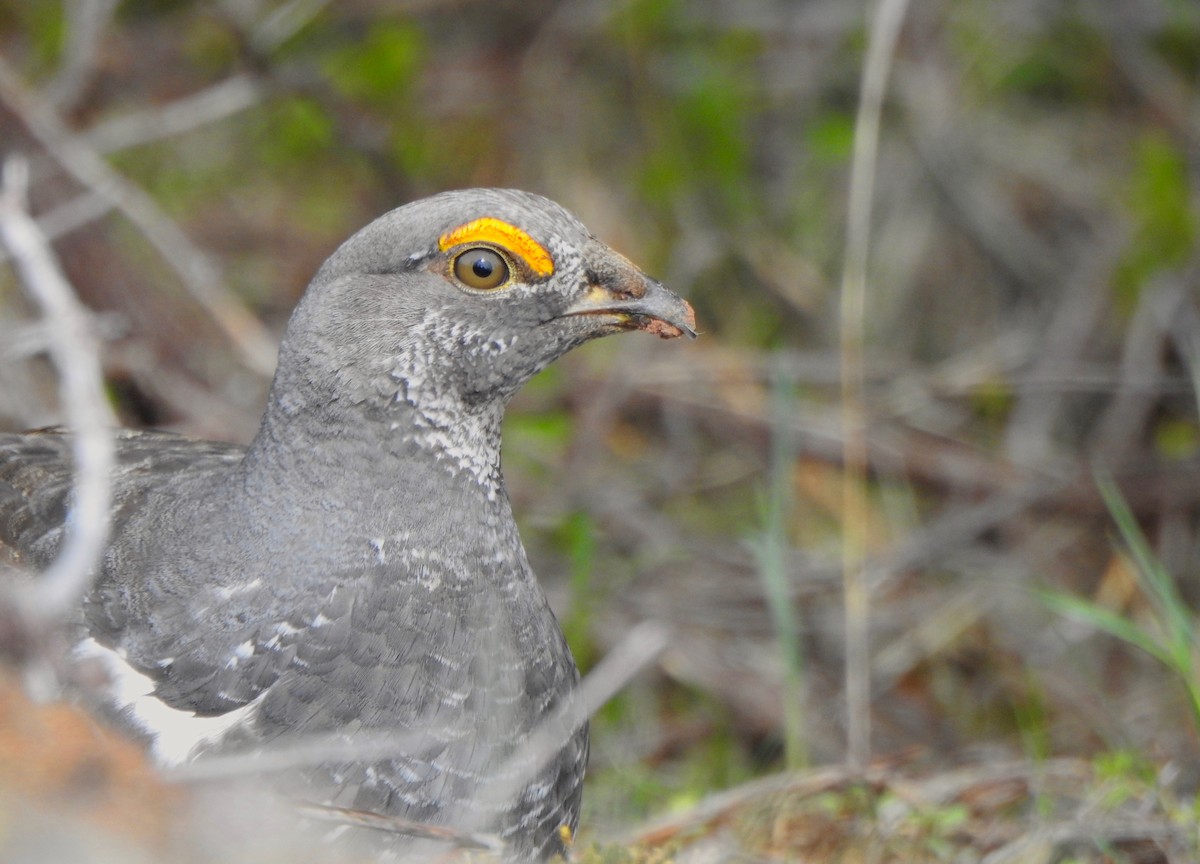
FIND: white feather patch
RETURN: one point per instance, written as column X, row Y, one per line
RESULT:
column 176, row 734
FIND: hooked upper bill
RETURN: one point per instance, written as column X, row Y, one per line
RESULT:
column 657, row 310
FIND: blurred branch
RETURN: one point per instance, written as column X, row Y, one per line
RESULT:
column 204, row 413
column 209, row 105
column 978, row 196
column 640, row 647
column 1184, row 327
column 956, row 378
column 73, row 215
column 956, row 528
column 87, row 21
column 951, row 614
column 144, row 127
column 1168, row 95
column 1126, row 418
column 721, row 805
column 979, row 211
column 946, row 465
column 254, row 344
column 302, row 751
column 1082, row 302
column 74, row 351
column 285, row 21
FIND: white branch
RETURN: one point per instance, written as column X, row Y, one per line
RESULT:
column 254, row 344
column 202, row 108
column 637, row 650
column 87, row 21
column 640, row 647
column 74, row 351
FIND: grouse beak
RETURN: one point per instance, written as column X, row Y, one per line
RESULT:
column 638, row 303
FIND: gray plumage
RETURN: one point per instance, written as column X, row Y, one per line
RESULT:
column 358, row 566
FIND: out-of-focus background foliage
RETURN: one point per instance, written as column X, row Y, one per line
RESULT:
column 1032, row 333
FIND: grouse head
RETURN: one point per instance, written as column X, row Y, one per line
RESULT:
column 449, row 304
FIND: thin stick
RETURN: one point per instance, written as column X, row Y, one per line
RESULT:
column 203, row 108
column 640, row 647
column 252, row 341
column 73, row 348
column 284, row 22
column 145, row 127
column 305, row 751
column 885, row 29
column 87, row 22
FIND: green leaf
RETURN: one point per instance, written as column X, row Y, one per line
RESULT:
column 382, row 69
column 1160, row 205
column 297, row 130
column 831, row 138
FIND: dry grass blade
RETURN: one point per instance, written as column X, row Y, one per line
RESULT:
column 885, row 30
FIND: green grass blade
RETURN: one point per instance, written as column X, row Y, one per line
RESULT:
column 1108, row 621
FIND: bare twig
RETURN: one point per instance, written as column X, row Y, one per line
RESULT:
column 1184, row 327
column 87, row 20
column 252, row 341
column 885, row 30
column 640, row 647
column 73, row 348
column 1170, row 95
column 1029, row 433
column 144, row 127
column 305, row 751
column 73, row 215
column 958, row 527
column 1127, row 416
column 984, row 216
column 285, row 21
column 202, row 108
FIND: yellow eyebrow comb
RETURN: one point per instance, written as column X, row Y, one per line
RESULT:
column 500, row 233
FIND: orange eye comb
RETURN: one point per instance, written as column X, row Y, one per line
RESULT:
column 508, row 237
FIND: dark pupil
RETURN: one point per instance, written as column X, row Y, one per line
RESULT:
column 483, row 268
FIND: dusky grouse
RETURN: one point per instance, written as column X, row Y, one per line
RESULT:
column 357, row 567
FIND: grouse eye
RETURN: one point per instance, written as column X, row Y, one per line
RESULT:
column 481, row 268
